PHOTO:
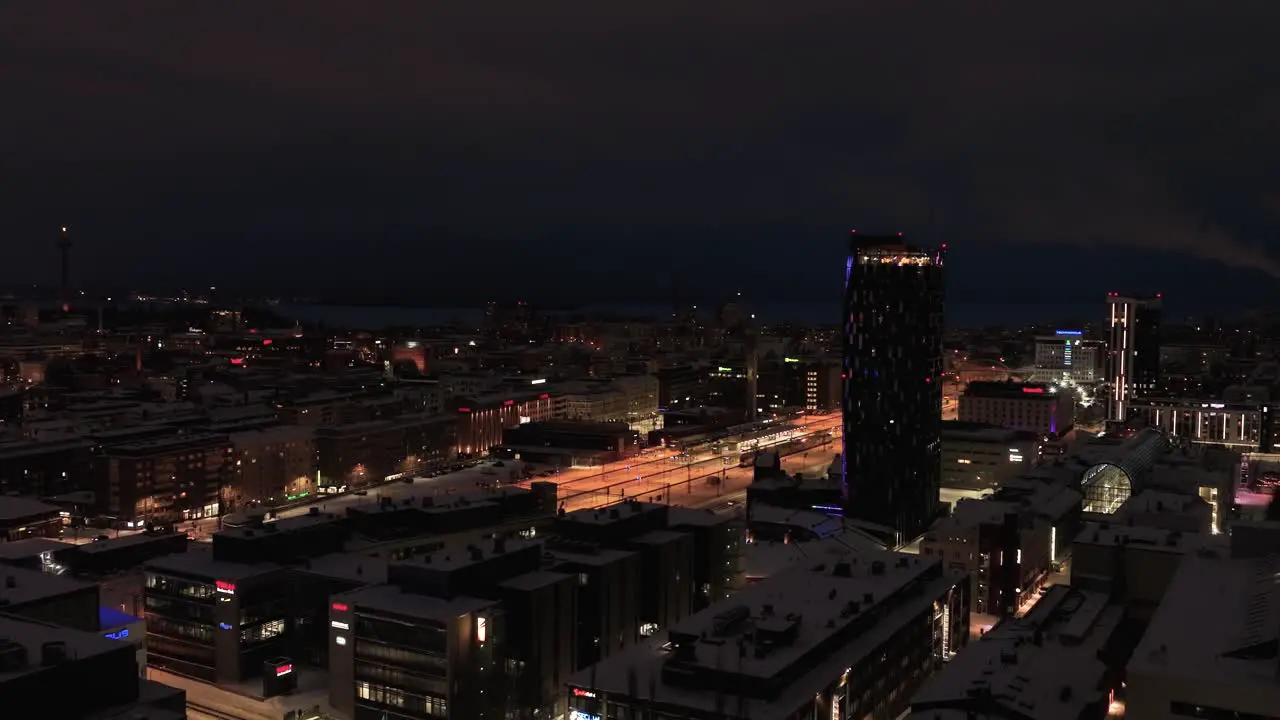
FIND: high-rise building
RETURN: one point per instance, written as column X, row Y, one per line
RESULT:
column 893, row 383
column 1133, row 358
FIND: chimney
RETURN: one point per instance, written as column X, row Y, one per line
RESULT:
column 52, row 653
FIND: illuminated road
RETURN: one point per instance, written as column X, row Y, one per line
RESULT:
column 690, row 484
column 645, row 475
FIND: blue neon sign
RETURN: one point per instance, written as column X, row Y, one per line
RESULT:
column 117, row 635
column 1072, row 333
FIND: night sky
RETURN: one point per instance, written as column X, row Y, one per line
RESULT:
column 598, row 150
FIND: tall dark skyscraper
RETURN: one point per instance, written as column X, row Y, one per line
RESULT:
column 1133, row 357
column 64, row 266
column 893, row 296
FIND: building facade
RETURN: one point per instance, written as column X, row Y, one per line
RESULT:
column 893, row 383
column 1032, row 407
column 1133, row 357
column 1068, row 356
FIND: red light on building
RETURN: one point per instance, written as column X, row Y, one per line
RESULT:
column 579, row 692
column 508, row 403
column 341, row 607
column 544, row 396
column 1033, row 391
column 284, row 670
column 266, row 341
column 464, row 409
column 237, row 361
column 223, row 586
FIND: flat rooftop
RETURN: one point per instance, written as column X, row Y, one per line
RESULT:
column 766, row 559
column 16, row 509
column 351, row 567
column 283, row 526
column 1158, row 502
column 30, row 586
column 32, row 636
column 1141, row 537
column 123, row 541
column 1215, row 611
column 610, row 514
column 575, row 553
column 534, row 580
column 198, row 562
column 691, row 517
column 391, row 599
column 456, row 555
column 30, row 547
column 1043, row 665
column 166, row 444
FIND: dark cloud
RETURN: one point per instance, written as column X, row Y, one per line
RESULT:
column 259, row 139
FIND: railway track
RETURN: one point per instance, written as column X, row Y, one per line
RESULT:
column 209, row 712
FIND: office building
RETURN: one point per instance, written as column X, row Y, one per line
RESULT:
column 221, row 615
column 663, row 586
column 1066, row 356
column 452, row 622
column 1133, row 355
column 850, row 637
column 42, row 469
column 416, row 656
column 22, row 518
column 794, row 383
column 482, row 419
column 1245, row 424
column 1059, row 661
column 681, row 387
column 65, row 673
column 212, row 620
column 1136, row 564
column 273, row 465
column 977, row 456
column 1008, row 542
column 569, row 443
column 372, row 452
column 166, row 479
column 48, row 597
column 893, row 383
column 1033, row 407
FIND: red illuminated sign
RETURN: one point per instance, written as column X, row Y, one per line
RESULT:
column 341, row 607
column 464, row 409
column 237, row 361
column 544, row 396
column 508, row 402
column 1033, row 391
column 284, row 670
column 579, row 692
column 223, row 586
column 266, row 341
